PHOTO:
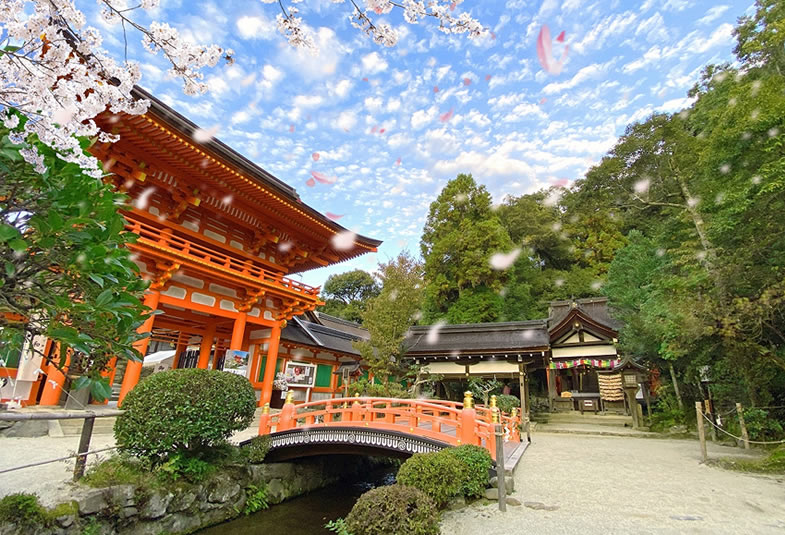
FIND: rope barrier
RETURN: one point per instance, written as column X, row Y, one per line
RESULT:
column 740, row 438
column 31, row 465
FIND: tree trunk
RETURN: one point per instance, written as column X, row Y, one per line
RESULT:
column 676, row 386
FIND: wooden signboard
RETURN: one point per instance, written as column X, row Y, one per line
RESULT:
column 299, row 374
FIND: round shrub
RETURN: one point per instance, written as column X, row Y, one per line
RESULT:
column 393, row 510
column 507, row 403
column 477, row 461
column 258, row 448
column 440, row 475
column 183, row 411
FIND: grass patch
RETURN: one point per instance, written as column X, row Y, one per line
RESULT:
column 119, row 470
column 24, row 510
column 774, row 463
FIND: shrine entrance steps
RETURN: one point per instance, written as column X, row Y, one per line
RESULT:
column 591, row 424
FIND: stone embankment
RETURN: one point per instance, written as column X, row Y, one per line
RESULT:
column 132, row 510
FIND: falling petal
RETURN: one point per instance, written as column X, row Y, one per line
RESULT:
column 561, row 182
column 493, row 36
column 365, row 79
column 284, row 247
column 343, row 241
column 315, row 156
column 332, row 216
column 63, row 115
column 204, row 163
column 382, row 130
column 467, row 81
column 487, row 77
column 291, row 128
column 109, row 163
column 436, row 89
column 310, row 182
column 502, row 261
column 398, row 161
column 560, row 39
column 227, row 199
column 143, row 199
column 453, row 5
column 324, row 179
column 558, row 282
column 642, row 186
column 725, row 168
column 433, row 332
column 543, row 100
column 374, row 129
column 446, row 116
column 545, row 52
column 203, row 135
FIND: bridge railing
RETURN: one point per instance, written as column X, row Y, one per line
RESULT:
column 448, row 422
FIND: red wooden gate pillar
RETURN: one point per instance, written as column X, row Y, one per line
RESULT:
column 134, row 367
column 468, row 418
column 269, row 367
column 55, row 378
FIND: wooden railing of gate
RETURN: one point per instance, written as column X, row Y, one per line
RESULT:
column 445, row 421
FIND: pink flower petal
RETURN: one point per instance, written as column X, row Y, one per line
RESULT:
column 315, row 156
column 446, row 116
column 374, row 129
column 398, row 161
column 291, row 128
column 545, row 52
column 467, row 81
column 453, row 6
column 487, row 77
column 543, row 100
column 560, row 39
column 332, row 216
column 381, row 130
column 436, row 89
column 310, row 182
column 493, row 36
column 365, row 79
column 324, row 179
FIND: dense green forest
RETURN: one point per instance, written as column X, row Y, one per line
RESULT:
column 680, row 225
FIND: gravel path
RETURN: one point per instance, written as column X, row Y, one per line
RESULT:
column 627, row 485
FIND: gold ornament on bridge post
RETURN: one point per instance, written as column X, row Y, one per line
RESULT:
column 264, row 420
column 468, row 400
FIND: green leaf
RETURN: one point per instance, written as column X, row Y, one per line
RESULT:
column 104, row 297
column 7, row 233
column 18, row 245
column 55, row 220
column 82, row 382
column 10, row 269
column 97, row 279
column 100, row 389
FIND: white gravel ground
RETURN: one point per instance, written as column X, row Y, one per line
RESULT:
column 609, row 485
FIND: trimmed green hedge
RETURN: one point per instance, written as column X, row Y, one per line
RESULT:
column 393, row 510
column 440, row 475
column 507, row 403
column 478, row 462
column 183, row 411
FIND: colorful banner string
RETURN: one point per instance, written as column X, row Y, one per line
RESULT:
column 595, row 363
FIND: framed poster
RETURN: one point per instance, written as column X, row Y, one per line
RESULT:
column 236, row 362
column 301, row 375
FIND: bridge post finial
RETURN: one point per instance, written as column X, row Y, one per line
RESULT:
column 286, row 419
column 495, row 415
column 493, row 401
column 468, row 400
column 264, row 420
column 289, row 397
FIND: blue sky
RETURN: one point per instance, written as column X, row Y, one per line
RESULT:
column 362, row 107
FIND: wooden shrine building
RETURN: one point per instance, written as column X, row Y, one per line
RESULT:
column 219, row 238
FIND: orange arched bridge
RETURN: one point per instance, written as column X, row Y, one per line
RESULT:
column 387, row 426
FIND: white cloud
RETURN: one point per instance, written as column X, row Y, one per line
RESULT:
column 346, row 120
column 393, row 104
column 653, row 29
column 342, row 88
column 713, row 14
column 373, row 63
column 586, row 73
column 255, row 27
column 373, row 104
column 307, row 101
column 422, row 117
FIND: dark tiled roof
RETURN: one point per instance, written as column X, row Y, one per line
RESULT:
column 311, row 334
column 595, row 308
column 342, row 325
column 480, row 337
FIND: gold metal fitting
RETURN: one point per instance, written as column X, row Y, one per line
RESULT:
column 468, row 400
column 357, row 394
column 495, row 415
column 290, row 397
column 493, row 401
column 266, row 408
column 514, row 412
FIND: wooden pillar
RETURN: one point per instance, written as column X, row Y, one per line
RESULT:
column 206, row 346
column 334, row 380
column 238, row 332
column 269, row 368
column 551, row 375
column 134, row 367
column 182, row 345
column 55, row 378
